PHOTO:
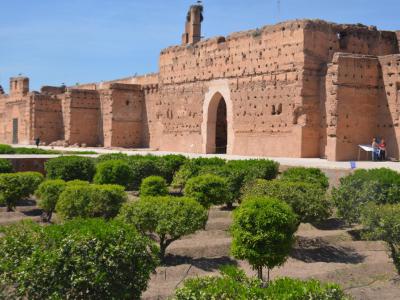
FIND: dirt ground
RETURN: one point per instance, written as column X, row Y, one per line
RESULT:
column 331, row 253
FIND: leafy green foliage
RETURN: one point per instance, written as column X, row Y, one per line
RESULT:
column 5, row 166
column 168, row 165
column 191, row 168
column 153, row 186
column 90, row 200
column 308, row 175
column 382, row 222
column 81, row 259
column 263, row 232
column 308, row 201
column 18, row 186
column 142, row 167
column 48, row 193
column 380, row 186
column 208, row 190
column 70, row 168
column 113, row 172
column 111, row 156
column 234, row 284
column 165, row 218
column 6, row 149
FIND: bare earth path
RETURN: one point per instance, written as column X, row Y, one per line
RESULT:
column 364, row 269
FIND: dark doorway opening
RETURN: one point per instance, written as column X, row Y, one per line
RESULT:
column 221, row 134
column 15, row 131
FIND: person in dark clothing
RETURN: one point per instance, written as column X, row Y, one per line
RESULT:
column 37, row 142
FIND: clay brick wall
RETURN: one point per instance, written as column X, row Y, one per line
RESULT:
column 121, row 107
column 18, row 108
column 322, row 41
column 388, row 124
column 398, row 38
column 47, row 118
column 354, row 104
column 262, row 69
column 81, row 114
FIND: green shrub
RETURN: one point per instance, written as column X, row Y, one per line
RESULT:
column 23, row 150
column 48, row 193
column 308, row 175
column 111, row 156
column 81, row 259
column 256, row 168
column 208, row 190
column 308, row 201
column 142, row 167
column 88, row 201
column 165, row 218
column 5, row 166
column 113, row 172
column 263, row 232
column 18, row 186
column 234, row 284
column 70, row 168
column 153, row 186
column 168, row 165
column 6, row 149
column 380, row 186
column 382, row 222
column 191, row 168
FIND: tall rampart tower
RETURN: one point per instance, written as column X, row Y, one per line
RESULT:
column 19, row 86
column 194, row 18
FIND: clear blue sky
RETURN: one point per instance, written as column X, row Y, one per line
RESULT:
column 70, row 41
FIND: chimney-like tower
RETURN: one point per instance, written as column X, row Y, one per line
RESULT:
column 194, row 18
column 19, row 86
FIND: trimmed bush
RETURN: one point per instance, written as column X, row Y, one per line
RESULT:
column 380, row 186
column 191, row 168
column 90, row 201
column 153, row 186
column 168, row 165
column 141, row 168
column 208, row 190
column 81, row 259
column 256, row 168
column 5, row 166
column 308, row 201
column 6, row 149
column 111, row 156
column 70, row 168
column 166, row 219
column 18, row 186
column 308, row 175
column 382, row 222
column 48, row 193
column 263, row 232
column 234, row 284
column 113, row 172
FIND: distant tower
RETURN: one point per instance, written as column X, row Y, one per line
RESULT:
column 194, row 18
column 1, row 90
column 19, row 85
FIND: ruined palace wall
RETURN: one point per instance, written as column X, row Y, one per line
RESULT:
column 47, row 118
column 260, row 72
column 322, row 41
column 17, row 107
column 81, row 113
column 388, row 123
column 354, row 104
column 151, row 124
column 127, row 112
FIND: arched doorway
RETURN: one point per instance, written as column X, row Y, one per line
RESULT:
column 221, row 128
column 216, row 117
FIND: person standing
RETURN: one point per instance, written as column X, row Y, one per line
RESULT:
column 37, row 142
column 375, row 149
column 382, row 150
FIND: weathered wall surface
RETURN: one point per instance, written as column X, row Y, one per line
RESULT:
column 354, row 104
column 388, row 123
column 322, row 41
column 81, row 114
column 262, row 72
column 47, row 118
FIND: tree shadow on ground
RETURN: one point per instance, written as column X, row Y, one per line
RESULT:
column 203, row 263
column 317, row 250
column 33, row 212
column 331, row 224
